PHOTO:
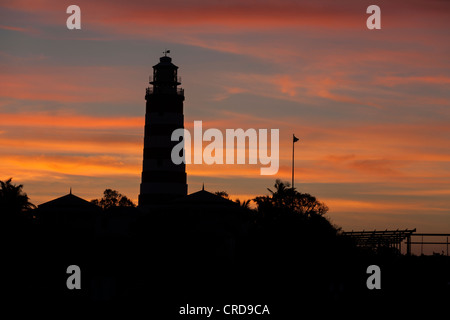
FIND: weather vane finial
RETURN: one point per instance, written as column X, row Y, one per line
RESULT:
column 166, row 52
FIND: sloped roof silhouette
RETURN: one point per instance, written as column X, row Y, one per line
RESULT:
column 68, row 201
column 205, row 197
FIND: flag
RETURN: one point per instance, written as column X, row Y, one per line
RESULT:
column 295, row 138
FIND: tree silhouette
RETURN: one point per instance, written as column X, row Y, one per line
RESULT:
column 244, row 203
column 288, row 199
column 112, row 198
column 290, row 227
column 222, row 194
column 13, row 199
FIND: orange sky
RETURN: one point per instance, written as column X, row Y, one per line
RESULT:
column 371, row 107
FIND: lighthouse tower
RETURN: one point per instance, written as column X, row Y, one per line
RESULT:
column 162, row 180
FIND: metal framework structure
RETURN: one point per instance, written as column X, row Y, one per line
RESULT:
column 394, row 238
column 382, row 239
column 422, row 235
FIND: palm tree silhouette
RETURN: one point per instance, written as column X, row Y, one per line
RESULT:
column 12, row 199
column 286, row 198
column 244, row 204
column 281, row 188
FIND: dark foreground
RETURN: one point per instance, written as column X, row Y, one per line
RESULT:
column 164, row 263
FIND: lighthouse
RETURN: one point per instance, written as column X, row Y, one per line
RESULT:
column 162, row 180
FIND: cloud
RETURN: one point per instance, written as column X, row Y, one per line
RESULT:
column 393, row 81
column 66, row 120
column 46, row 168
column 19, row 29
column 371, row 108
column 150, row 19
column 67, row 84
column 376, row 167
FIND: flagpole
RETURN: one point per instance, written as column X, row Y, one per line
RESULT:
column 293, row 142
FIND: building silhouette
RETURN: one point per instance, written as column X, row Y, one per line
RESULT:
column 68, row 212
column 162, row 180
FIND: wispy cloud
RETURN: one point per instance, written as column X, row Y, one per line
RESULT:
column 371, row 108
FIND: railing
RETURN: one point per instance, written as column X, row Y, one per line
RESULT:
column 151, row 79
column 164, row 90
column 441, row 235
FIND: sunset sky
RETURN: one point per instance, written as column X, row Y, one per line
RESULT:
column 371, row 107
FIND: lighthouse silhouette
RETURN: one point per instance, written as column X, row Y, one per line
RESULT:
column 162, row 180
